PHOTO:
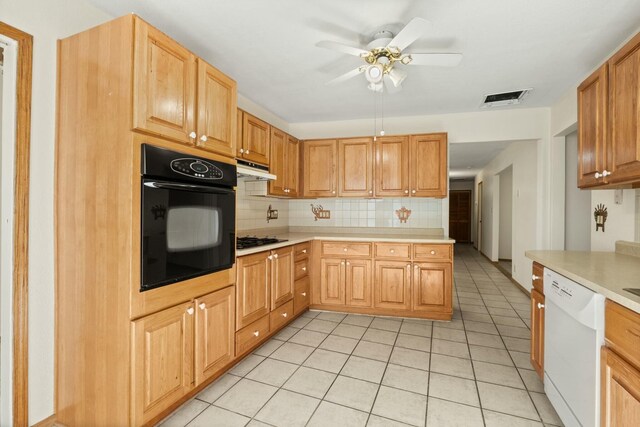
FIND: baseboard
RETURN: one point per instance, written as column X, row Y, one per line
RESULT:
column 50, row 421
column 501, row 270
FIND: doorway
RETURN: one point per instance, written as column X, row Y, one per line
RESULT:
column 460, row 215
column 479, row 218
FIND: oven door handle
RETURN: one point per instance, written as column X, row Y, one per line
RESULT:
column 188, row 187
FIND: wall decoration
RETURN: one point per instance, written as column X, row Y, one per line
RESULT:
column 403, row 214
column 320, row 213
column 600, row 215
column 271, row 213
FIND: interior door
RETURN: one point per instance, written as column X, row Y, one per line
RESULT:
column 428, row 171
column 253, row 288
column 355, row 170
column 392, row 173
column 460, row 215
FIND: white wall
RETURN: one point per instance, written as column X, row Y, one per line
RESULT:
column 506, row 200
column 578, row 212
column 523, row 157
column 46, row 21
column 620, row 223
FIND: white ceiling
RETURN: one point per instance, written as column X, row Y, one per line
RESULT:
column 269, row 48
column 467, row 159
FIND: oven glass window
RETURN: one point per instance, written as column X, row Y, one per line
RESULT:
column 185, row 233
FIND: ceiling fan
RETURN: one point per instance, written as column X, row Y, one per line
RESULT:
column 385, row 52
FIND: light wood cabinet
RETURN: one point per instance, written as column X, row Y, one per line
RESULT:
column 355, row 167
column 214, row 332
column 392, row 285
column 162, row 360
column 164, row 85
column 252, row 335
column 282, row 276
column 256, row 135
column 392, row 166
column 431, row 285
column 292, row 173
column 592, row 127
column 302, row 295
column 217, row 111
column 358, row 283
column 428, row 168
column 281, row 316
column 620, row 391
column 284, row 163
column 332, row 281
column 537, row 332
column 320, row 167
column 253, row 288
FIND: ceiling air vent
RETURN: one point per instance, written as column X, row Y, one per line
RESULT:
column 505, row 98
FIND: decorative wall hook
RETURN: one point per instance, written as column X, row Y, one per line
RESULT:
column 403, row 214
column 600, row 214
column 320, row 213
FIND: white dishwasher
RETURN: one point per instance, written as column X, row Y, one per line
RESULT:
column 573, row 335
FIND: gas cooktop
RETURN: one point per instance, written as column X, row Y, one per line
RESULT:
column 253, row 241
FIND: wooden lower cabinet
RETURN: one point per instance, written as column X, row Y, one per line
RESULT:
column 161, row 361
column 301, row 295
column 332, row 281
column 251, row 335
column 214, row 337
column 431, row 284
column 537, row 332
column 281, row 316
column 620, row 391
column 358, row 283
column 253, row 288
column 392, row 285
column 282, row 276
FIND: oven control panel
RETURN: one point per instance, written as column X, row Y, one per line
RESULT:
column 196, row 168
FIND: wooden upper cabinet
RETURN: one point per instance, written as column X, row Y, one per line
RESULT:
column 623, row 160
column 278, row 159
column 282, row 276
column 164, row 92
column 358, row 283
column 214, row 332
column 320, row 159
column 537, row 332
column 592, row 127
column 392, row 166
column 256, row 135
column 355, row 169
column 253, row 288
column 217, row 111
column 292, row 173
column 332, row 281
column 431, row 286
column 239, row 120
column 162, row 361
column 428, row 168
column 392, row 285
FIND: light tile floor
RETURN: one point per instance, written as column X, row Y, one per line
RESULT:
column 332, row 369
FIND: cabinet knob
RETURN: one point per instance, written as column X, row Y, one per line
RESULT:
column 408, row 266
column 597, row 175
column 202, row 306
column 406, row 191
column 275, row 256
column 433, row 252
column 304, row 268
column 413, row 191
column 534, row 277
column 192, row 135
column 370, row 191
column 242, row 151
column 341, row 262
column 304, row 294
column 190, row 310
column 393, row 251
column 203, row 138
column 605, row 173
column 284, row 314
column 256, row 334
column 270, row 257
column 348, row 263
column 344, row 249
column 333, row 192
column 304, row 251
column 246, row 152
column 540, row 305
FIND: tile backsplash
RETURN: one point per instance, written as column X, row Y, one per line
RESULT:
column 252, row 210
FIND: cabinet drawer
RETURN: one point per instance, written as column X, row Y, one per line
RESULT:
column 281, row 316
column 302, row 251
column 537, row 277
column 432, row 252
column 301, row 268
column 346, row 249
column 622, row 330
column 302, row 295
column 252, row 334
column 393, row 250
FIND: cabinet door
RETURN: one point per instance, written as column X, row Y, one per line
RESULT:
column 239, row 124
column 164, row 87
column 217, row 110
column 302, row 295
column 620, row 391
column 537, row 332
column 392, row 287
column 624, row 88
column 332, row 281
column 253, row 288
column 282, row 276
column 428, row 170
column 162, row 360
column 293, row 167
column 215, row 331
column 392, row 166
column 355, row 167
column 320, row 158
column 255, row 139
column 278, row 162
column 432, row 287
column 358, row 282
column 592, row 127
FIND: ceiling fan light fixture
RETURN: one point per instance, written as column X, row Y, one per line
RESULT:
column 376, row 87
column 406, row 60
column 397, row 76
column 374, row 73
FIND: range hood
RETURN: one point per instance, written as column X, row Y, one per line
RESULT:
column 248, row 169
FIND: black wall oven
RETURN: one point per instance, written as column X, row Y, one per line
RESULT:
column 188, row 216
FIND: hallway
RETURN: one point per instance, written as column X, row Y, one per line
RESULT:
column 329, row 368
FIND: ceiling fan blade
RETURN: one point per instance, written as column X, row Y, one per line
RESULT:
column 355, row 51
column 410, row 33
column 433, row 59
column 346, row 76
column 390, row 86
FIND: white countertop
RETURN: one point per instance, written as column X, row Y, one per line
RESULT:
column 295, row 238
column 606, row 273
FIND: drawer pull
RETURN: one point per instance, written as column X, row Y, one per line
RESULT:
column 256, row 334
column 202, row 306
column 534, row 277
column 304, row 251
column 433, row 252
column 634, row 333
column 393, row 251
column 304, row 268
column 304, row 294
column 344, row 249
column 284, row 314
column 540, row 305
